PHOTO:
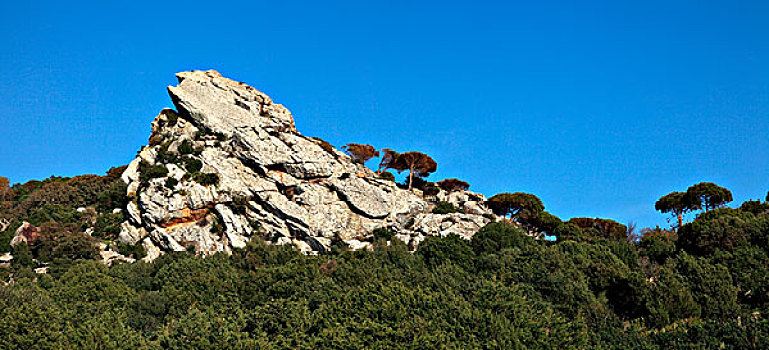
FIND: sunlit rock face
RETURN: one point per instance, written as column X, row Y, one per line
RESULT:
column 229, row 166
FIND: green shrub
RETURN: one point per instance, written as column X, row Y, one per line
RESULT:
column 171, row 183
column 207, row 179
column 711, row 285
column 5, row 240
column 657, row 248
column 383, row 233
column 137, row 250
column 239, row 205
column 165, row 156
column 22, row 257
column 192, row 165
column 445, row 208
column 497, row 236
column 720, row 229
column 569, row 232
column 71, row 246
column 114, row 197
column 148, row 311
column 107, row 226
column 172, row 116
column 148, row 172
column 185, row 148
column 50, row 212
column 452, row 248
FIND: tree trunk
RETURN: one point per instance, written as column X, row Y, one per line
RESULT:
column 411, row 177
column 680, row 220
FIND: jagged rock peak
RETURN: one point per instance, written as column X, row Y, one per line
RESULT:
column 229, row 166
column 211, row 99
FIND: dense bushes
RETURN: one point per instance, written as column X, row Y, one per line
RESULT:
column 452, row 248
column 497, row 236
column 503, row 289
column 703, row 287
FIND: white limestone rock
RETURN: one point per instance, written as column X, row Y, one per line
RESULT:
column 273, row 182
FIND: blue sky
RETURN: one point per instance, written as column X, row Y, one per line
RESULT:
column 597, row 107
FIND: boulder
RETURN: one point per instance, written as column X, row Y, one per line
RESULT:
column 6, row 259
column 26, row 233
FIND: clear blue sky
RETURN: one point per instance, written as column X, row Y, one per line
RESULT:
column 598, row 107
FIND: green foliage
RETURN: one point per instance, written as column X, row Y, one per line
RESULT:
column 113, row 197
column 711, row 286
column 148, row 172
column 706, row 287
column 31, row 319
column 52, row 212
column 657, row 248
column 192, row 165
column 527, row 294
column 207, row 179
column 165, row 156
column 671, row 299
column 107, row 226
column 749, row 266
column 70, row 246
column 568, row 231
column 186, row 148
column 505, row 204
column 5, row 240
column 608, row 276
column 538, row 222
column 496, row 236
column 678, row 204
column 549, row 272
column 755, row 207
column 171, row 183
column 445, row 208
column 136, row 251
column 22, row 257
column 708, row 195
column 721, row 229
column 383, row 233
column 452, row 248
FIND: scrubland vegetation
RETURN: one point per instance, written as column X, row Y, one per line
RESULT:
column 601, row 285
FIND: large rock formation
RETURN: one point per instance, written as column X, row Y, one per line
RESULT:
column 229, row 165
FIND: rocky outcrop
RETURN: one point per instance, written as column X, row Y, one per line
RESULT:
column 6, row 259
column 109, row 256
column 4, row 224
column 229, row 166
column 26, row 233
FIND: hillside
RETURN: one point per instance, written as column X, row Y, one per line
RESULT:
column 233, row 230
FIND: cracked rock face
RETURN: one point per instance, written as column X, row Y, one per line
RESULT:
column 229, row 166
